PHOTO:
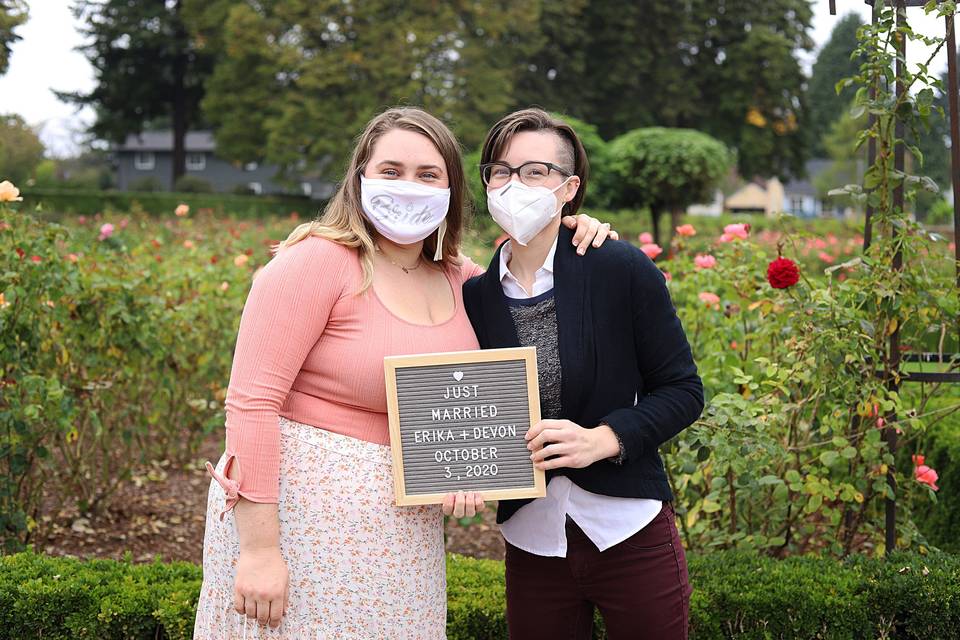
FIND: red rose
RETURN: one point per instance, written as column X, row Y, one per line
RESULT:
column 783, row 273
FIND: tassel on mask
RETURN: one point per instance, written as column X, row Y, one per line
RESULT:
column 438, row 254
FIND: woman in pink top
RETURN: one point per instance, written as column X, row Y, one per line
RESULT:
column 301, row 523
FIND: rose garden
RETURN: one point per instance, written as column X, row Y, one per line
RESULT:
column 118, row 318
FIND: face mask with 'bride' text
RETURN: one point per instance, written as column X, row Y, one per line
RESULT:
column 402, row 211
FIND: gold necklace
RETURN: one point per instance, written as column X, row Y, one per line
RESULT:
column 397, row 264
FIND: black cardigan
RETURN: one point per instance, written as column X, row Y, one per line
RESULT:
column 620, row 339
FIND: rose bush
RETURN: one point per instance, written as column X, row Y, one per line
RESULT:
column 116, row 337
column 788, row 455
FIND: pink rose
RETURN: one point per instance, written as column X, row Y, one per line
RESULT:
column 710, row 299
column 924, row 474
column 106, row 230
column 739, row 230
column 181, row 210
column 646, row 238
column 652, row 250
column 686, row 230
column 705, row 261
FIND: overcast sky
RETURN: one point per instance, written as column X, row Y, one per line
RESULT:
column 45, row 59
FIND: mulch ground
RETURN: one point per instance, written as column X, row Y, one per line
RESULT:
column 161, row 512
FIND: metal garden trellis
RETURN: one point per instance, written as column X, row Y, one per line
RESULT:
column 895, row 356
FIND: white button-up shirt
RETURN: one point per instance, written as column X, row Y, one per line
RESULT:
column 539, row 527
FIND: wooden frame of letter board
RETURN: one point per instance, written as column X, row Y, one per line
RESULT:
column 390, row 366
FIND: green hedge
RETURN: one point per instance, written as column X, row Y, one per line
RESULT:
column 735, row 595
column 90, row 202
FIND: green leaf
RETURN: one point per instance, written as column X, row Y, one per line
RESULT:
column 814, row 503
column 710, row 506
column 829, row 457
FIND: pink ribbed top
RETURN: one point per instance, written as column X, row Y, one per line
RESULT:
column 311, row 349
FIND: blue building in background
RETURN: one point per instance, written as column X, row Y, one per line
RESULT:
column 145, row 163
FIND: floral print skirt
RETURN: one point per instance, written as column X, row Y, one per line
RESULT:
column 360, row 567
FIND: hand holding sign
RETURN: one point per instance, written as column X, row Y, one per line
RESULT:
column 457, row 424
column 463, row 505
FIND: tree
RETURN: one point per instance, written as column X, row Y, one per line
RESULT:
column 934, row 142
column 751, row 84
column 548, row 75
column 20, row 149
column 833, row 64
column 149, row 71
column 727, row 68
column 298, row 80
column 847, row 159
column 618, row 66
column 666, row 170
column 13, row 13
column 600, row 181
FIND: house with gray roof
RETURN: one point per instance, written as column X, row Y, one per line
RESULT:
column 801, row 197
column 145, row 162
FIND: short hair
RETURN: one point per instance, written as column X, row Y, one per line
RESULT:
column 573, row 157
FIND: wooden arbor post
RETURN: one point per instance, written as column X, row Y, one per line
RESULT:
column 891, row 371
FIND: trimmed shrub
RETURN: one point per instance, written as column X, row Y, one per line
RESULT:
column 665, row 169
column 90, row 202
column 146, row 184
column 192, row 184
column 736, row 595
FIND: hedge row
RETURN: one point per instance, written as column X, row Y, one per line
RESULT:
column 90, row 202
column 736, row 595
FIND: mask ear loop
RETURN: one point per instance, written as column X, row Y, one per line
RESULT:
column 559, row 186
column 441, row 231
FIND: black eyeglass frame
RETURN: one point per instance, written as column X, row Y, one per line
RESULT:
column 516, row 170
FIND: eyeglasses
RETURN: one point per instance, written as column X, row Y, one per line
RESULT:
column 532, row 174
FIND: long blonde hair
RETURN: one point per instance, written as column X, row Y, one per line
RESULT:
column 343, row 220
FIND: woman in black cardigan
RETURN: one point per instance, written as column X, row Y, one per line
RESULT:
column 617, row 380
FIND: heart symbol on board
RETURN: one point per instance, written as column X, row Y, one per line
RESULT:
column 458, row 375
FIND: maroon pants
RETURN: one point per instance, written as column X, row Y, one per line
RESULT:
column 639, row 585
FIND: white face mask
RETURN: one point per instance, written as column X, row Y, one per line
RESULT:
column 523, row 211
column 402, row 211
